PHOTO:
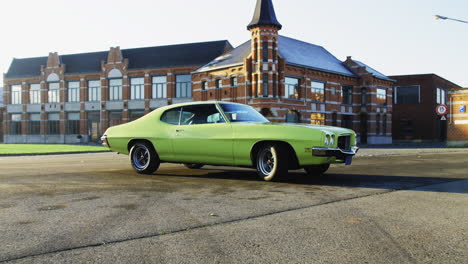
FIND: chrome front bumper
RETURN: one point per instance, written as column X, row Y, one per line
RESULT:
column 334, row 152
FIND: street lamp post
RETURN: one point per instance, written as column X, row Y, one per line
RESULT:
column 448, row 18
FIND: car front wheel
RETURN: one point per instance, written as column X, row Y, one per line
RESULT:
column 316, row 170
column 193, row 165
column 271, row 162
column 144, row 158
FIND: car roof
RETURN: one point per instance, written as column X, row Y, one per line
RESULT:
column 198, row 103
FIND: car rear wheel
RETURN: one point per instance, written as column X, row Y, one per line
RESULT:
column 272, row 162
column 144, row 158
column 193, row 165
column 316, row 170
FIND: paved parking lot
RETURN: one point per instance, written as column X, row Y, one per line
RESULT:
column 407, row 207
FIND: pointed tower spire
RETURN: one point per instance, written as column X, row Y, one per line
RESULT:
column 264, row 15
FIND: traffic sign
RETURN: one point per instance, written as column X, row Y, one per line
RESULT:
column 462, row 108
column 443, row 118
column 442, row 109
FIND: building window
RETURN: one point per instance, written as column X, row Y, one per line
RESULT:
column 441, row 96
column 137, row 88
column 115, row 118
column 35, row 93
column 347, row 121
column 318, row 91
column 292, row 88
column 347, row 92
column 16, row 94
column 94, row 91
column 317, row 119
column 334, row 119
column 381, row 96
column 15, row 125
column 377, row 124
column 134, row 115
column 159, row 87
column 184, row 86
column 115, row 89
column 363, row 96
column 265, row 51
column 407, row 94
column 219, row 84
column 204, row 85
column 292, row 117
column 73, row 123
column 384, row 125
column 53, row 125
column 265, row 85
column 35, row 124
column 53, row 94
column 233, row 81
column 73, row 91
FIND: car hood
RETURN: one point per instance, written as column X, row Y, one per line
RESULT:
column 329, row 129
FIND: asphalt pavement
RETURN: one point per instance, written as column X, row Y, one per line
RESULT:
column 399, row 207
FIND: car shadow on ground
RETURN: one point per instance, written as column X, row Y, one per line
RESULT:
column 389, row 182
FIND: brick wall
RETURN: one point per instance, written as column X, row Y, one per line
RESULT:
column 458, row 120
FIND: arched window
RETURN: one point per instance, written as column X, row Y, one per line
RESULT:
column 114, row 73
column 53, row 77
column 292, row 116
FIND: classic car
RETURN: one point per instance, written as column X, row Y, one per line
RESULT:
column 229, row 134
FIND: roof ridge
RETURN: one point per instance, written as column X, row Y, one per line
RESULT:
column 101, row 51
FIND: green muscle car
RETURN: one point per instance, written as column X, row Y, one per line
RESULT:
column 229, row 134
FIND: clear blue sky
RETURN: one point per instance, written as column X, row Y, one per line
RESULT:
column 393, row 36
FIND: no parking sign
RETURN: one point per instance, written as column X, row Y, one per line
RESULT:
column 441, row 110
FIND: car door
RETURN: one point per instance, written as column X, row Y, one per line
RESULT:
column 203, row 136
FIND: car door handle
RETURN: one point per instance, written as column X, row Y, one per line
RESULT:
column 179, row 130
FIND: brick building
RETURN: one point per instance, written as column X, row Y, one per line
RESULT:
column 458, row 118
column 56, row 98
column 2, row 109
column 414, row 107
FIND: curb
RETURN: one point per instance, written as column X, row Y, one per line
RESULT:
column 53, row 153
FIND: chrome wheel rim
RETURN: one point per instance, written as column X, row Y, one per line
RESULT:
column 140, row 157
column 266, row 161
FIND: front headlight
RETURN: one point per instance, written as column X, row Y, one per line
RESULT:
column 327, row 140
column 332, row 140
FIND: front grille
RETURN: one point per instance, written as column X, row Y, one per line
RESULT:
column 344, row 143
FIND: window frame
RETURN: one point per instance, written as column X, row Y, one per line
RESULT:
column 16, row 125
column 34, row 125
column 347, row 94
column 113, row 89
column 73, row 125
column 183, row 86
column 378, row 95
column 158, row 88
column 73, row 93
column 53, row 95
column 15, row 96
column 395, row 93
column 292, row 87
column 94, row 92
column 35, row 93
column 314, row 89
column 137, row 91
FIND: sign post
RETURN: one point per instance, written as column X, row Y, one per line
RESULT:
column 442, row 110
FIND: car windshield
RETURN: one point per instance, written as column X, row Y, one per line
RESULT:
column 242, row 113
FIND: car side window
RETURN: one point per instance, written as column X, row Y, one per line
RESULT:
column 200, row 114
column 171, row 116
